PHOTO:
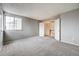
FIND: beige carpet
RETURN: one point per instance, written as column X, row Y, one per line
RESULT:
column 39, row 46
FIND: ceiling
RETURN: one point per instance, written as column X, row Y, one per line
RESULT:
column 39, row 11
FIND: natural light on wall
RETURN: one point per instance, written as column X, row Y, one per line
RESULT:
column 13, row 23
column 0, row 23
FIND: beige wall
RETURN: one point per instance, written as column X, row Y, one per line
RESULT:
column 49, row 27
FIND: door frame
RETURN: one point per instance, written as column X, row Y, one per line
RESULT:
column 59, row 28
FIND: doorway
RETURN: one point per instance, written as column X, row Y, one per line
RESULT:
column 50, row 28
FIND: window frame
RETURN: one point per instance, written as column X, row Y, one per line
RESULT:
column 15, row 29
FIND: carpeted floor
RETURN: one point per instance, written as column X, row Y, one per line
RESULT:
column 39, row 46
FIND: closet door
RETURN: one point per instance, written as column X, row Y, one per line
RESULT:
column 41, row 29
column 57, row 29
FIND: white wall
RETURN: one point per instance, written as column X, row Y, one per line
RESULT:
column 41, row 29
column 70, row 27
column 56, row 28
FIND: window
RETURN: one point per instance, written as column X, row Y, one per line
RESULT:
column 13, row 23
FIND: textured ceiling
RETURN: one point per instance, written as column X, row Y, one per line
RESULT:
column 39, row 11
